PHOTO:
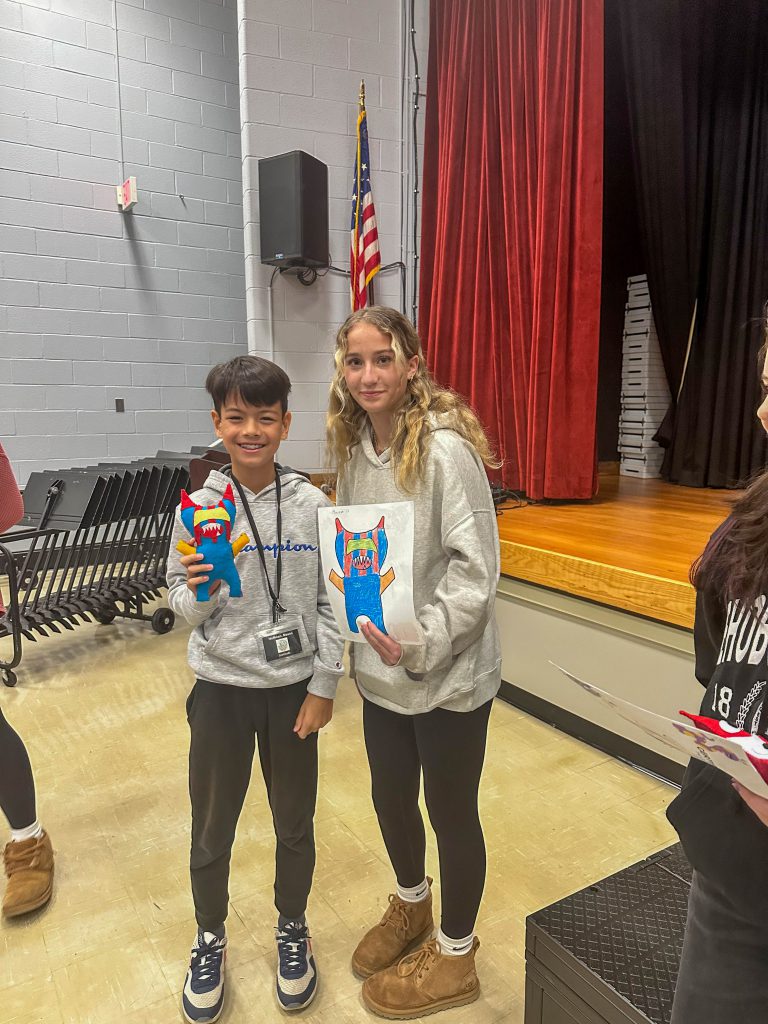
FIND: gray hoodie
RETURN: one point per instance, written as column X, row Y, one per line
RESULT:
column 223, row 646
column 455, row 572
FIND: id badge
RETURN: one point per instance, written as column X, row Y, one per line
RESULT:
column 282, row 641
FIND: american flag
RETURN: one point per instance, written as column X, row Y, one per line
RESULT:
column 365, row 258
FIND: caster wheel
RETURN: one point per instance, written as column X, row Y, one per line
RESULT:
column 163, row 620
column 9, row 677
column 105, row 615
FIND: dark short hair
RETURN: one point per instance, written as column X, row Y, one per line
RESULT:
column 257, row 381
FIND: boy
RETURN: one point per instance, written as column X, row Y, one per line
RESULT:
column 266, row 667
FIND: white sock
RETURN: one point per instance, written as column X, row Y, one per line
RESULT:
column 416, row 894
column 33, row 831
column 454, row 947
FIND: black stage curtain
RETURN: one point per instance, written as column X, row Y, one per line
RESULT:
column 697, row 86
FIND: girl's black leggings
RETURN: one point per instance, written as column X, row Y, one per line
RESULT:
column 448, row 747
column 17, row 788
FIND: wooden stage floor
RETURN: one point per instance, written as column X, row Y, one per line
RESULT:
column 630, row 547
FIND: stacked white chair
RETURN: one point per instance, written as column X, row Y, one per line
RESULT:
column 645, row 393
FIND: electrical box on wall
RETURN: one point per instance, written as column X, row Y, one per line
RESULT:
column 127, row 194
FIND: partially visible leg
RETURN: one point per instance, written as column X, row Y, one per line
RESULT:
column 393, row 757
column 395, row 781
column 289, row 765
column 441, row 974
column 723, row 976
column 222, row 742
column 29, row 855
column 17, row 787
column 452, row 750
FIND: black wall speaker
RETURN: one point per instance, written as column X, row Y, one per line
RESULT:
column 293, row 210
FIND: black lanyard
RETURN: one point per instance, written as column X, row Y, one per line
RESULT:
column 274, row 592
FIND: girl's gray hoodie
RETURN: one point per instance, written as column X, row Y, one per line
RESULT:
column 224, row 646
column 455, row 572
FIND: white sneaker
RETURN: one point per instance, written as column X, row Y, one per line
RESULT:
column 203, row 996
column 296, row 970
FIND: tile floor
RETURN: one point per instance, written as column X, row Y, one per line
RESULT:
column 102, row 712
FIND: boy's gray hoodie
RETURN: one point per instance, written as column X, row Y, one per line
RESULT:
column 224, row 646
column 455, row 573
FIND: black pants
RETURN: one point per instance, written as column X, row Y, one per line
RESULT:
column 224, row 723
column 724, row 967
column 17, row 787
column 449, row 748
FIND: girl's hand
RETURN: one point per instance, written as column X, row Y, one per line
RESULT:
column 388, row 650
column 757, row 804
column 314, row 713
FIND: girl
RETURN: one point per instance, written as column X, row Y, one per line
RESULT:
column 28, row 856
column 395, row 436
column 724, row 967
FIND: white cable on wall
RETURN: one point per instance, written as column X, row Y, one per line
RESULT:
column 119, row 97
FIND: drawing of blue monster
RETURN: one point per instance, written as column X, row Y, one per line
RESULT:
column 361, row 555
column 211, row 528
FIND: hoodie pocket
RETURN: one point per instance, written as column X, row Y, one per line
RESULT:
column 237, row 643
column 722, row 839
column 443, row 687
column 396, row 690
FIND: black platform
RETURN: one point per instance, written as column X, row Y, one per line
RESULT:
column 610, row 953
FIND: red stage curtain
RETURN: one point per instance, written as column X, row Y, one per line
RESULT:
column 512, row 228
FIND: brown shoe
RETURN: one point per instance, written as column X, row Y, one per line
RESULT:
column 29, row 867
column 403, row 927
column 424, row 982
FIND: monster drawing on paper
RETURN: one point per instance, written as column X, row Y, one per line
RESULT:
column 754, row 746
column 361, row 555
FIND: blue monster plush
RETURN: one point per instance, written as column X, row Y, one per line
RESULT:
column 211, row 527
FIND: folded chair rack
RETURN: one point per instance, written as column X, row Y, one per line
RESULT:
column 92, row 545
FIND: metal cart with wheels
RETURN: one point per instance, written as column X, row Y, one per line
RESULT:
column 92, row 546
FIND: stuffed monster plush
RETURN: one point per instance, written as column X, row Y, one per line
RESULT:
column 211, row 527
column 755, row 747
column 361, row 556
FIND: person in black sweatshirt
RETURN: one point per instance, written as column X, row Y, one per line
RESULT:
column 724, row 827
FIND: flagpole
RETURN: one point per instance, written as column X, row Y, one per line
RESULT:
column 352, row 281
column 371, row 299
column 360, row 257
column 362, row 107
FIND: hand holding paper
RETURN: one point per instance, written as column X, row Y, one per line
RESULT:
column 757, row 804
column 388, row 650
column 720, row 751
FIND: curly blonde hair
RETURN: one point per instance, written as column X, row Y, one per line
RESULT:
column 411, row 428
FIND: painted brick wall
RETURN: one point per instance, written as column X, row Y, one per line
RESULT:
column 301, row 62
column 96, row 305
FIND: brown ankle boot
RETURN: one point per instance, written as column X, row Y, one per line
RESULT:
column 404, row 926
column 423, row 982
column 29, row 867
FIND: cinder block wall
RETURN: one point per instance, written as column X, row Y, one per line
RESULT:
column 94, row 304
column 301, row 62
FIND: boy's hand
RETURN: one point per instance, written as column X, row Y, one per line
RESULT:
column 388, row 650
column 196, row 573
column 314, row 713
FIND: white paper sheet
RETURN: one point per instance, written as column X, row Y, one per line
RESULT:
column 682, row 736
column 367, row 558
